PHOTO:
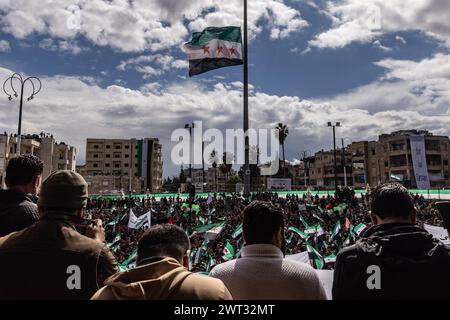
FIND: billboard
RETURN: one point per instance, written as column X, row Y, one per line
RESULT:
column 279, row 184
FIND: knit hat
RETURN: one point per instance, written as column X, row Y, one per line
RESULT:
column 63, row 189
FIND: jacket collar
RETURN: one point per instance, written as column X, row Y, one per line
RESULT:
column 262, row 250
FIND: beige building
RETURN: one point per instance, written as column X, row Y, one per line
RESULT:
column 374, row 162
column 123, row 165
column 55, row 155
column 394, row 158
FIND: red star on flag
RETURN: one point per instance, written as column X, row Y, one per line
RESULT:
column 232, row 51
column 205, row 49
column 219, row 50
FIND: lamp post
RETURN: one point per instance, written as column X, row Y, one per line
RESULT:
column 337, row 124
column 190, row 127
column 343, row 160
column 304, row 154
column 12, row 93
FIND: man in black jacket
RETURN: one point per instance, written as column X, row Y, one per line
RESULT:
column 394, row 259
column 62, row 255
column 18, row 208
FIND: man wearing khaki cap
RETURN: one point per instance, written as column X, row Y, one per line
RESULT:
column 62, row 255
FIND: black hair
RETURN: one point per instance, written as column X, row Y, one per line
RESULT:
column 22, row 169
column 261, row 222
column 163, row 240
column 391, row 200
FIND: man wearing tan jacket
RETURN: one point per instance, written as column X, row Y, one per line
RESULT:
column 161, row 272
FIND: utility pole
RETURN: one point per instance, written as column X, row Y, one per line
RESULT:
column 337, row 124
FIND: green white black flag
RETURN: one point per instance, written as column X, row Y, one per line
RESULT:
column 214, row 48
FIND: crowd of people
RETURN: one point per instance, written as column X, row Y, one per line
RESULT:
column 301, row 212
column 216, row 247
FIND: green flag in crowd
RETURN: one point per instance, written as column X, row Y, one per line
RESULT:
column 228, row 252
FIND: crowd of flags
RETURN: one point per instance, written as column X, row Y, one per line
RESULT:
column 313, row 236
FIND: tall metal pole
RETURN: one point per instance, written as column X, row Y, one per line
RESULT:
column 19, row 131
column 247, row 145
column 335, row 162
column 343, row 162
column 203, row 163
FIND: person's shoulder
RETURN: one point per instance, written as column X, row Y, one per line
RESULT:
column 104, row 293
column 223, row 268
column 347, row 252
column 207, row 287
column 297, row 269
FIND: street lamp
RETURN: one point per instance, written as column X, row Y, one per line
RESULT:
column 12, row 93
column 304, row 154
column 190, row 127
column 337, row 124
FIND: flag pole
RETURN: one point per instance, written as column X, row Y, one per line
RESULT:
column 247, row 147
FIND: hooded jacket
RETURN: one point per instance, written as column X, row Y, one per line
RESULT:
column 18, row 211
column 163, row 279
column 412, row 265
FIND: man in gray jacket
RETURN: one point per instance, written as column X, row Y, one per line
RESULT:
column 262, row 272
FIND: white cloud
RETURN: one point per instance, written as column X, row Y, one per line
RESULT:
column 4, row 46
column 65, row 46
column 377, row 44
column 152, row 65
column 136, row 26
column 364, row 21
column 400, row 39
column 410, row 95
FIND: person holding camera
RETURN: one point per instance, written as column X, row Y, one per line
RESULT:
column 62, row 255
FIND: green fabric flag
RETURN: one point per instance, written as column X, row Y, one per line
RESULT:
column 315, row 256
column 237, row 232
column 336, row 229
column 228, row 252
column 302, row 220
column 214, row 48
column 208, row 227
column 302, row 234
column 131, row 258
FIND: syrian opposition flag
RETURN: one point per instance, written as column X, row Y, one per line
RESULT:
column 214, row 48
column 330, row 259
column 316, row 256
column 228, row 252
column 302, row 234
column 359, row 228
column 336, row 229
column 237, row 231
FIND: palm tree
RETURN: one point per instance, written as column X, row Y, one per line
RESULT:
column 213, row 160
column 283, row 132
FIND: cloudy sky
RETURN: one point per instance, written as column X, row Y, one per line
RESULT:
column 116, row 68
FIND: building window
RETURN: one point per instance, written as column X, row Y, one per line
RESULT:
column 126, row 165
column 117, row 155
column 117, row 147
column 116, row 165
column 108, row 156
column 108, row 146
column 95, row 146
column 445, row 162
column 127, row 147
column 95, row 156
column 107, row 165
column 127, row 156
column 95, row 165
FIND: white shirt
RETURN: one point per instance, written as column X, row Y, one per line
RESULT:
column 262, row 273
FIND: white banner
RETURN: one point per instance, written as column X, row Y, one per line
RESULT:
column 419, row 161
column 438, row 233
column 279, row 184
